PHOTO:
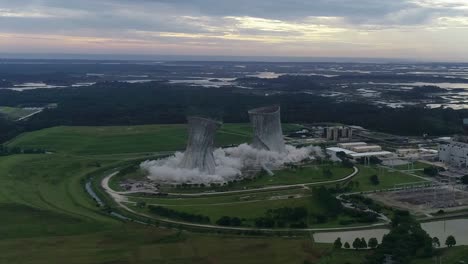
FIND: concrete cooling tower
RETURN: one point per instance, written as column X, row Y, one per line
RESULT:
column 266, row 122
column 199, row 152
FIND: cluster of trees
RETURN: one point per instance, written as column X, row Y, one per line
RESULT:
column 4, row 150
column 328, row 203
column 283, row 217
column 464, row 180
column 327, row 173
column 363, row 202
column 345, row 162
column 359, row 216
column 374, row 179
column 229, row 221
column 406, row 241
column 433, row 171
column 116, row 103
column 449, row 242
column 169, row 213
column 358, row 243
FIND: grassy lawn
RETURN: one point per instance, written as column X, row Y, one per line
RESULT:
column 15, row 112
column 119, row 140
column 307, row 174
column 247, row 206
column 47, row 217
column 448, row 255
column 139, row 245
column 417, row 166
column 47, row 184
column 387, row 178
column 342, row 256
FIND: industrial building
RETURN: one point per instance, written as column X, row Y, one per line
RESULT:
column 332, row 151
column 351, row 144
column 360, row 147
column 338, row 133
column 267, row 131
column 357, row 150
column 368, row 148
column 455, row 151
column 199, row 152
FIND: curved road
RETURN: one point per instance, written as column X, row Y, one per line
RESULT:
column 269, row 188
column 120, row 199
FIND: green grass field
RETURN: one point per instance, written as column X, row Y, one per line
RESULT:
column 15, row 113
column 311, row 173
column 448, row 255
column 416, row 166
column 121, row 140
column 388, row 178
column 47, row 217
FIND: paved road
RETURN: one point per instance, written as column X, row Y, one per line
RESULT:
column 270, row 188
column 120, row 199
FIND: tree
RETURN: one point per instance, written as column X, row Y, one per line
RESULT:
column 374, row 179
column 373, row 243
column 431, row 171
column 327, row 173
column 341, row 155
column 357, row 243
column 337, row 244
column 435, row 242
column 405, row 241
column 464, row 179
column 347, row 163
column 363, row 243
column 450, row 242
column 346, row 245
column 224, row 221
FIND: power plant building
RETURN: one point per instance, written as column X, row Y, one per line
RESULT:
column 455, row 151
column 338, row 133
column 199, row 152
column 267, row 131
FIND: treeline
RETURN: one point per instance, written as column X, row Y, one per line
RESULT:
column 331, row 208
column 4, row 150
column 405, row 242
column 283, row 217
column 169, row 213
column 115, row 103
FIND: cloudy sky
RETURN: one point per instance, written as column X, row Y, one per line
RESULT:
column 415, row 29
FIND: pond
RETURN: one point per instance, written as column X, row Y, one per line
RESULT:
column 441, row 229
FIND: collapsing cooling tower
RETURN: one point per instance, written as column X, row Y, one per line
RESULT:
column 199, row 152
column 266, row 122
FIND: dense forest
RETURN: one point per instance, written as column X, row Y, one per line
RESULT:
column 117, row 103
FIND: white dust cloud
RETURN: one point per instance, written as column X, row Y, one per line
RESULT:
column 230, row 162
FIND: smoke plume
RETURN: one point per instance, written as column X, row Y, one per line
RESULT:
column 230, row 162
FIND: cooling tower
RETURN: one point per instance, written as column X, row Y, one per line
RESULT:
column 266, row 122
column 199, row 152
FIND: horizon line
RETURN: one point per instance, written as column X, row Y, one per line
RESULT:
column 208, row 58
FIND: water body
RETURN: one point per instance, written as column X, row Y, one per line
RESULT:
column 441, row 229
column 32, row 86
column 207, row 82
column 274, row 75
column 441, row 85
column 41, row 85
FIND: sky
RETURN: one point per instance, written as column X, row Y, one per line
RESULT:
column 428, row 30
